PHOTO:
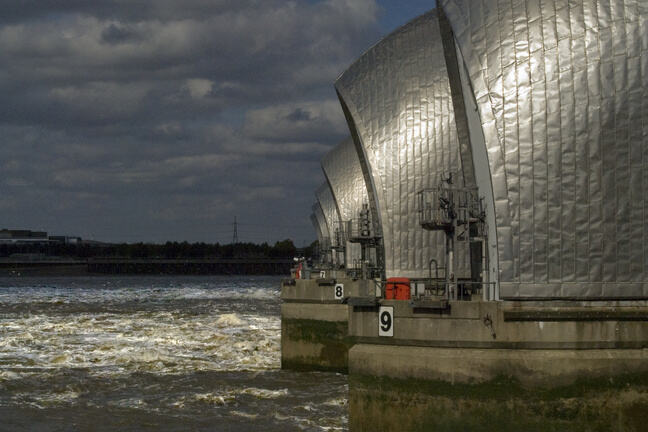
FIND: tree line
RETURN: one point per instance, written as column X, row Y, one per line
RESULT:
column 169, row 250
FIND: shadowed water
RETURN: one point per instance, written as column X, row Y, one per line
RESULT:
column 154, row 353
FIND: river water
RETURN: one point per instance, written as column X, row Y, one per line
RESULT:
column 154, row 353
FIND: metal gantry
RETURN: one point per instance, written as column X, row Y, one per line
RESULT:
column 459, row 213
column 361, row 231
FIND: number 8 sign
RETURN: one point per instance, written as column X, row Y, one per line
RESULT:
column 386, row 321
column 339, row 291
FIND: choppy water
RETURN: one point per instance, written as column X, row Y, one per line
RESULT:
column 154, row 353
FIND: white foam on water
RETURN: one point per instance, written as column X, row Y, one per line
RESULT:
column 136, row 290
column 264, row 393
column 43, row 400
column 310, row 424
column 117, row 340
column 314, row 419
column 8, row 375
column 129, row 403
column 213, row 399
column 158, row 342
column 229, row 320
column 226, row 397
column 337, row 402
column 244, row 414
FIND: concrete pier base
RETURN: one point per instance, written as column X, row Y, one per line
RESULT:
column 531, row 368
column 314, row 337
column 397, row 388
column 314, row 323
column 477, row 366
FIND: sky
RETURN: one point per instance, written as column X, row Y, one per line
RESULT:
column 163, row 120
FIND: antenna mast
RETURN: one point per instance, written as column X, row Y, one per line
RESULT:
column 235, row 239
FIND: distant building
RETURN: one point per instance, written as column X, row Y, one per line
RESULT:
column 22, row 236
column 65, row 239
column 8, row 236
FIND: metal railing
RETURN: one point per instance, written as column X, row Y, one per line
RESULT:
column 365, row 269
column 325, row 245
column 359, row 229
column 436, row 288
column 340, row 235
column 438, row 208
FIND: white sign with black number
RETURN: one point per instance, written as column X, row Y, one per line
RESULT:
column 386, row 321
column 322, row 274
column 339, row 291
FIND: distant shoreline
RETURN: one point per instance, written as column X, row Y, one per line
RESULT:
column 105, row 267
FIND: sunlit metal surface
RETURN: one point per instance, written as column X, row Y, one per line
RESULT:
column 329, row 208
column 343, row 172
column 342, row 169
column 321, row 222
column 316, row 226
column 399, row 107
column 561, row 89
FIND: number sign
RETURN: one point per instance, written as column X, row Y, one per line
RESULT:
column 386, row 321
column 339, row 291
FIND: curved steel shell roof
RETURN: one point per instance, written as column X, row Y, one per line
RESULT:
column 318, row 229
column 561, row 88
column 329, row 209
column 399, row 106
column 321, row 221
column 342, row 169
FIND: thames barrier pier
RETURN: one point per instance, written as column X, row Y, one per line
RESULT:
column 316, row 301
column 315, row 321
column 476, row 365
column 491, row 202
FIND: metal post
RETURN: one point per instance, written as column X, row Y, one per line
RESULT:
column 485, row 273
column 450, row 286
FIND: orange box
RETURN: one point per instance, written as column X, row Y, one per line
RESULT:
column 397, row 289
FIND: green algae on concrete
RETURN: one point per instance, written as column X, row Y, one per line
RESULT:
column 308, row 345
column 604, row 404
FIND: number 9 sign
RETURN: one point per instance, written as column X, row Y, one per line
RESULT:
column 386, row 321
column 339, row 291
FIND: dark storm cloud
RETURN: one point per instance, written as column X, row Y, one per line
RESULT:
column 116, row 34
column 160, row 119
column 131, row 10
column 299, row 115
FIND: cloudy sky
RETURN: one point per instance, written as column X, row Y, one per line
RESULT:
column 155, row 120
